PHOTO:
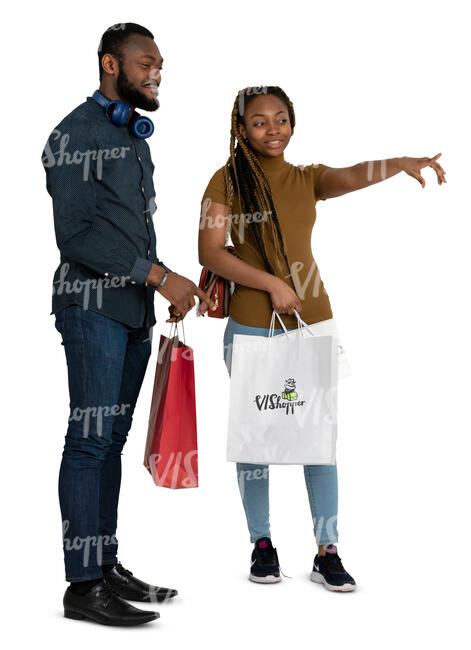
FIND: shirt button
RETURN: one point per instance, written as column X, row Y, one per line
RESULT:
column 147, row 221
column 107, row 274
column 146, row 284
column 133, row 282
column 142, row 189
column 148, row 251
column 139, row 158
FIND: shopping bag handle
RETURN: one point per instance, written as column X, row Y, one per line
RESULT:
column 176, row 332
column 300, row 321
column 272, row 324
column 301, row 324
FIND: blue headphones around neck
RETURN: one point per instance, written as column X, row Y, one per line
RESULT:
column 118, row 113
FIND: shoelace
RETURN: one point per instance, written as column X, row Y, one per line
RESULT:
column 334, row 563
column 290, row 577
column 122, row 570
column 108, row 591
column 268, row 558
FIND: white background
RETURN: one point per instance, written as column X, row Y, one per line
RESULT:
column 369, row 80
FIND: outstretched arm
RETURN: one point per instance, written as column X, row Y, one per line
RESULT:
column 337, row 181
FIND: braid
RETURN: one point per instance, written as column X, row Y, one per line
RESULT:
column 245, row 177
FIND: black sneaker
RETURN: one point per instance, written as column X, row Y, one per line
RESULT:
column 265, row 566
column 328, row 570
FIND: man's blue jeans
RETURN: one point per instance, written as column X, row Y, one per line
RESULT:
column 106, row 363
column 321, row 480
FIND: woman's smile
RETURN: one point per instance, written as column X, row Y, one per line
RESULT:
column 274, row 144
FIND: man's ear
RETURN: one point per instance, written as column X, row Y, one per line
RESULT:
column 110, row 64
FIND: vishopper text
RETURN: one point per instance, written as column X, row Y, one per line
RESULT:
column 79, row 286
column 320, row 404
column 275, row 401
column 98, row 412
column 85, row 543
column 219, row 220
column 176, row 463
column 79, row 157
column 301, row 287
column 251, row 90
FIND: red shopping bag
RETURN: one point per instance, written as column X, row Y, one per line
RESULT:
column 171, row 454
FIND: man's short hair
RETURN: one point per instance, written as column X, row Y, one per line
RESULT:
column 115, row 37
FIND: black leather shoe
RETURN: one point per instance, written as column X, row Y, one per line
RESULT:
column 127, row 586
column 102, row 605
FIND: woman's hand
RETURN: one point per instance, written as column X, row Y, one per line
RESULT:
column 283, row 297
column 412, row 166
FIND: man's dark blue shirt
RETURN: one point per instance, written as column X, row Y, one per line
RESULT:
column 100, row 179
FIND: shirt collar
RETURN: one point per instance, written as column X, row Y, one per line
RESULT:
column 271, row 163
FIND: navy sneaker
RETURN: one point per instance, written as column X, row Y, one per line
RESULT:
column 265, row 566
column 328, row 570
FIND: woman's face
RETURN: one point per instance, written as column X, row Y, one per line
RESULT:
column 266, row 125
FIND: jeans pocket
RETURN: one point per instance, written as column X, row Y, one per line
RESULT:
column 69, row 324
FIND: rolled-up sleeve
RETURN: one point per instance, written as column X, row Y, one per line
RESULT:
column 140, row 270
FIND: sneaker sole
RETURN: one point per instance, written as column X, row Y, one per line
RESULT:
column 319, row 578
column 264, row 579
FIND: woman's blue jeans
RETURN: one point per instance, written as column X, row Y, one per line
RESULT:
column 106, row 363
column 321, row 480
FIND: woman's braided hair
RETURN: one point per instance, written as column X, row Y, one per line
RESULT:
column 244, row 176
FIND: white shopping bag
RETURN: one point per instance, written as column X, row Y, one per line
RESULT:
column 325, row 327
column 283, row 398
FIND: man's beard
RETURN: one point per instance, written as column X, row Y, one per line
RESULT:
column 130, row 94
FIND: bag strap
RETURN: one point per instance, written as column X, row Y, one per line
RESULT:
column 175, row 344
column 300, row 321
column 301, row 324
column 272, row 324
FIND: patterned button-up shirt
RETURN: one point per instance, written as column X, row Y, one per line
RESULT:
column 100, row 179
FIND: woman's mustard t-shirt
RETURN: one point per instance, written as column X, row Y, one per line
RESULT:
column 295, row 191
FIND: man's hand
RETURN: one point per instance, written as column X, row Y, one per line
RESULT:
column 179, row 291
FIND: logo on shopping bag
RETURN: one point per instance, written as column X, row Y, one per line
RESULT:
column 287, row 400
column 289, row 392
